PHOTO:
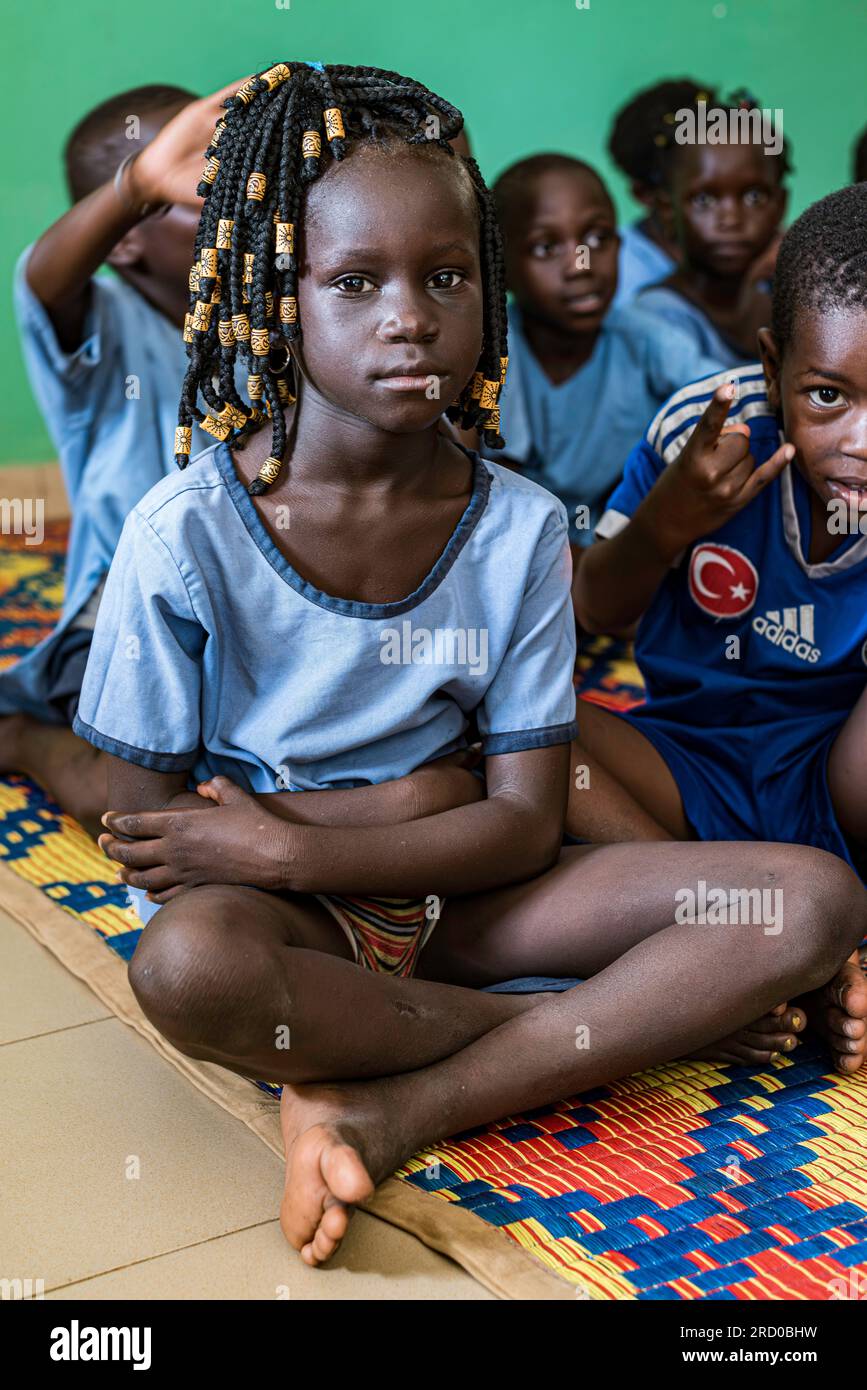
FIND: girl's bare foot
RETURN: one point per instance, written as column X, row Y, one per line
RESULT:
column 770, row 1037
column 838, row 1012
column 338, row 1148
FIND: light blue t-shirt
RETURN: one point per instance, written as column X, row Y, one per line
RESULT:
column 212, row 655
column 111, row 408
column 669, row 307
column 641, row 262
column 575, row 438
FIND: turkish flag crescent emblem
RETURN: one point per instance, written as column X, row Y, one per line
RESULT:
column 722, row 581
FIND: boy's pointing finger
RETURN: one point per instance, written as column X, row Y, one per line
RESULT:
column 709, row 427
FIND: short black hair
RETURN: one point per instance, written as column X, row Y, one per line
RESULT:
column 100, row 140
column 859, row 161
column 631, row 142
column 822, row 264
column 514, row 182
column 278, row 131
column 739, row 101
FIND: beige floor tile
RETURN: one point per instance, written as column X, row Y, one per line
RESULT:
column 78, row 1109
column 376, row 1261
column 37, row 995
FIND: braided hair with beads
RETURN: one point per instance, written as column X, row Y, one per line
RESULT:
column 278, row 128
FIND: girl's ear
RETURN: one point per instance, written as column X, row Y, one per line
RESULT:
column 664, row 207
column 643, row 193
column 126, row 253
column 772, row 365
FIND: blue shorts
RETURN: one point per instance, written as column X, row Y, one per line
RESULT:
column 752, row 784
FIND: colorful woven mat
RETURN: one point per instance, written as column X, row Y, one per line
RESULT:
column 686, row 1182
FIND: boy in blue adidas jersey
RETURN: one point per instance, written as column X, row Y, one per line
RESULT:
column 739, row 538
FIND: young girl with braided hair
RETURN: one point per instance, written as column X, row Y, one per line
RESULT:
column 722, row 203
column 327, row 601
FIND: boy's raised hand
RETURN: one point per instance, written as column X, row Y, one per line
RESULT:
column 169, row 169
column 713, row 479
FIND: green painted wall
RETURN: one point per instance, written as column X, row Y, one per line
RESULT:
column 528, row 74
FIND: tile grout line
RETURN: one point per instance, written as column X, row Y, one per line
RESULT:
column 163, row 1254
column 52, row 1032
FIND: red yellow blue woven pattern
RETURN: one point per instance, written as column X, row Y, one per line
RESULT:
column 686, row 1182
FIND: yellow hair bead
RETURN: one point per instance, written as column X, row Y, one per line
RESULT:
column 256, row 185
column 247, row 276
column 284, row 395
column 504, row 362
column 256, row 416
column 493, row 420
column 269, row 304
column 209, row 173
column 246, row 92
column 334, row 124
column 202, row 316
column 216, row 427
column 225, row 227
column 311, row 145
column 270, row 470
column 183, row 439
column 231, row 415
column 188, row 328
column 241, row 327
column 194, row 278
column 284, row 239
column 476, row 385
column 255, row 387
column 274, row 76
column 490, row 391
column 288, row 309
column 208, row 261
column 245, row 294
column 218, row 130
column 260, row 342
column 226, row 333
column 217, row 291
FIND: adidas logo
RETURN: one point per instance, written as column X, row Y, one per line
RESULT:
column 792, row 630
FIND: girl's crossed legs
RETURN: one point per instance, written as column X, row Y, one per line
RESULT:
column 378, row 1066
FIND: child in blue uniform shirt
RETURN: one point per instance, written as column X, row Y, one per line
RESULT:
column 739, row 537
column 106, row 359
column 647, row 252
column 343, row 597
column 723, row 205
column 583, row 378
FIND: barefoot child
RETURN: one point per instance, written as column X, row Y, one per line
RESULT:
column 325, row 609
column 647, row 251
column 723, row 203
column 106, row 361
column 739, row 532
column 583, row 378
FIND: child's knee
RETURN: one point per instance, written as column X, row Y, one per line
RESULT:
column 828, row 912
column 195, row 974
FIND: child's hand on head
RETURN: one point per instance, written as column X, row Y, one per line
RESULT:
column 169, row 169
column 712, row 479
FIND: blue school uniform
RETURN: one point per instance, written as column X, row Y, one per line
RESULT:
column 111, row 409
column 574, row 438
column 212, row 655
column 746, row 726
column 669, row 307
column 640, row 263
